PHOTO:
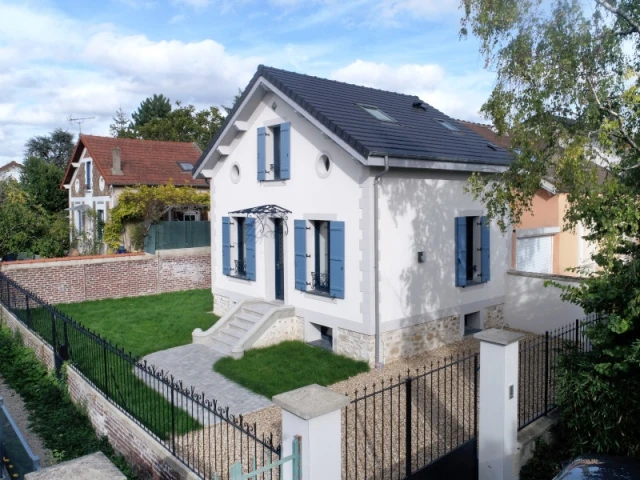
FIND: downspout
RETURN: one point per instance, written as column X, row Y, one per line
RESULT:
column 376, row 259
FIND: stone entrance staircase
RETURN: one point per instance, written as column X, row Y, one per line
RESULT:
column 242, row 326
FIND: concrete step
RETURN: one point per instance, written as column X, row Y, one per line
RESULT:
column 258, row 309
column 228, row 340
column 239, row 325
column 250, row 319
column 220, row 347
column 233, row 332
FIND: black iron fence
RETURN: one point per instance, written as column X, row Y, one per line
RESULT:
column 202, row 434
column 537, row 367
column 402, row 426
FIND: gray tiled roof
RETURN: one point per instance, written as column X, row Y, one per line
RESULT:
column 415, row 135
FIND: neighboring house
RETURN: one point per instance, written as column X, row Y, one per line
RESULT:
column 341, row 210
column 540, row 244
column 101, row 168
column 11, row 170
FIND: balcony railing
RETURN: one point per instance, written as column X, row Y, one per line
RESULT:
column 241, row 268
column 320, row 281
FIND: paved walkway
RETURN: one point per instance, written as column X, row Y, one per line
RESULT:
column 193, row 364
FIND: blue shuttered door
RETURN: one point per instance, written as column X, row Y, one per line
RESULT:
column 262, row 153
column 285, row 151
column 300, row 247
column 485, row 245
column 461, row 251
column 226, row 245
column 250, row 248
column 336, row 259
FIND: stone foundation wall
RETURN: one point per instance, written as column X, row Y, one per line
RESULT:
column 220, row 305
column 420, row 338
column 355, row 345
column 291, row 328
column 77, row 279
column 494, row 317
column 400, row 343
column 148, row 457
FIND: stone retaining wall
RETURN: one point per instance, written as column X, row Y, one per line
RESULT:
column 290, row 328
column 77, row 279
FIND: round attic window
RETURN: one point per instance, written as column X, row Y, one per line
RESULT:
column 323, row 166
column 235, row 173
column 101, row 182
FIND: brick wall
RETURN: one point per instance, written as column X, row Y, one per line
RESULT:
column 150, row 459
column 76, row 279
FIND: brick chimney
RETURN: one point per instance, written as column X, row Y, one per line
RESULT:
column 116, row 168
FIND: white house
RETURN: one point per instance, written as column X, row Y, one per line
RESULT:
column 339, row 216
column 10, row 170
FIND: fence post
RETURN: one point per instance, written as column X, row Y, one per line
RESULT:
column 577, row 332
column 498, row 423
column 26, row 299
column 173, row 422
column 315, row 414
column 54, row 344
column 546, row 372
column 407, row 435
column 106, row 371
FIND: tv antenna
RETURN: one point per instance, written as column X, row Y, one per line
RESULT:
column 79, row 121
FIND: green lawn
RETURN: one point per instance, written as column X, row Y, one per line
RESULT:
column 143, row 325
column 287, row 366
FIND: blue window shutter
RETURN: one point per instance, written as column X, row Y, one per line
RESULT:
column 336, row 259
column 461, row 251
column 250, row 247
column 262, row 154
column 300, row 247
column 226, row 245
column 485, row 245
column 285, row 151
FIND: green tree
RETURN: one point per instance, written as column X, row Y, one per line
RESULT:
column 236, row 98
column 55, row 148
column 568, row 92
column 151, row 108
column 41, row 181
column 122, row 127
column 183, row 124
column 26, row 227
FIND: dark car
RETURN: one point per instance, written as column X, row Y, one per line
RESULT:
column 601, row 468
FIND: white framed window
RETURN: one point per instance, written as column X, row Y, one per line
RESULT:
column 535, row 254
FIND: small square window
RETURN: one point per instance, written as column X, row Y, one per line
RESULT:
column 377, row 113
column 185, row 166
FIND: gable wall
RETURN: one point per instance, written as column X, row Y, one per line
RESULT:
column 417, row 212
column 307, row 196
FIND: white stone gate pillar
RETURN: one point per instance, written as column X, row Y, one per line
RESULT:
column 314, row 413
column 498, row 404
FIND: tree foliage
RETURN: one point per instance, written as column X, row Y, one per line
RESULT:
column 179, row 124
column 568, row 92
column 26, row 227
column 55, row 148
column 151, row 108
column 146, row 205
column 41, row 181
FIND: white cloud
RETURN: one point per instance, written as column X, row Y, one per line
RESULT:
column 197, row 4
column 459, row 96
column 177, row 19
column 55, row 66
column 417, row 8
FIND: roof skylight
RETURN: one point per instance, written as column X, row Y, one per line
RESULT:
column 185, row 166
column 377, row 113
column 448, row 125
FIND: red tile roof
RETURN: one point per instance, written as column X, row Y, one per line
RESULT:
column 487, row 132
column 9, row 166
column 143, row 162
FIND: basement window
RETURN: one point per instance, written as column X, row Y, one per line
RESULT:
column 377, row 113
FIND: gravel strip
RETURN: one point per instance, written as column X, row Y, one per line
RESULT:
column 15, row 405
column 442, row 417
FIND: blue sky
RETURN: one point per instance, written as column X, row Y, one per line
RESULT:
column 88, row 58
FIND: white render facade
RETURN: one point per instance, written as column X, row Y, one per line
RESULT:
column 419, row 305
